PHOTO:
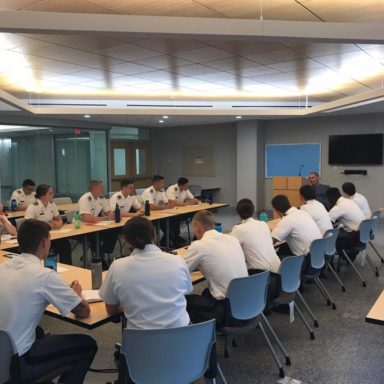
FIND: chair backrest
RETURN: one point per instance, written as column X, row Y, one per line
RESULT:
column 70, row 215
column 62, row 200
column 7, row 351
column 139, row 191
column 330, row 248
column 376, row 216
column 290, row 273
column 18, row 222
column 164, row 356
column 365, row 229
column 195, row 190
column 248, row 295
column 317, row 250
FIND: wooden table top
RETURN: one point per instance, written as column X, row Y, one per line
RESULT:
column 98, row 315
column 376, row 313
column 181, row 210
column 61, row 207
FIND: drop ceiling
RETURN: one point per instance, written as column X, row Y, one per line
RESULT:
column 134, row 78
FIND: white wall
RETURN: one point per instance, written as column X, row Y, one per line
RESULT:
column 317, row 130
column 167, row 147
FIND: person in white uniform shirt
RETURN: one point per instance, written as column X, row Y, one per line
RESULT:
column 255, row 239
column 179, row 195
column 316, row 209
column 349, row 191
column 24, row 195
column 220, row 259
column 5, row 225
column 127, row 202
column 296, row 227
column 26, row 290
column 149, row 285
column 45, row 209
column 94, row 207
column 158, row 200
column 347, row 213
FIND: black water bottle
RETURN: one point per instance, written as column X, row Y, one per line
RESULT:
column 147, row 211
column 117, row 214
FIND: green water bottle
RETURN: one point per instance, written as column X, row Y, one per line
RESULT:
column 77, row 220
column 263, row 216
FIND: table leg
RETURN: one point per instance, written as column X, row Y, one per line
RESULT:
column 85, row 251
column 97, row 250
column 167, row 234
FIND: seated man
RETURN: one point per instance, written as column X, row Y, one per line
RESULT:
column 321, row 189
column 220, row 259
column 179, row 195
column 315, row 209
column 296, row 227
column 127, row 202
column 347, row 213
column 349, row 191
column 255, row 239
column 93, row 207
column 5, row 226
column 27, row 288
column 24, row 195
column 157, row 198
column 149, row 285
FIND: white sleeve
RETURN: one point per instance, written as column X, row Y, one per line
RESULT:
column 187, row 279
column 147, row 196
column 235, row 233
column 171, row 195
column 135, row 203
column 55, row 210
column 193, row 257
column 164, row 197
column 282, row 230
column 112, row 203
column 14, row 196
column 106, row 291
column 106, row 207
column 84, row 205
column 335, row 213
column 30, row 212
column 189, row 195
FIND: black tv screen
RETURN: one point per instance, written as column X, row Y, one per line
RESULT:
column 356, row 149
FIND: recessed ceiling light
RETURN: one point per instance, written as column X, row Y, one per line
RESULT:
column 165, row 117
column 87, row 116
column 239, row 117
column 161, row 121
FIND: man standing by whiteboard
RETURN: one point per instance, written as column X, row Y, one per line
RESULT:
column 321, row 189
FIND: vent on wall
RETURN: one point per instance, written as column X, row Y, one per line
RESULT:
column 67, row 105
column 169, row 106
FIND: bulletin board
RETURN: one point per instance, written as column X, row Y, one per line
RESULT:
column 199, row 160
column 292, row 159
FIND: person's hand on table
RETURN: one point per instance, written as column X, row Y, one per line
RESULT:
column 75, row 285
column 55, row 224
column 138, row 213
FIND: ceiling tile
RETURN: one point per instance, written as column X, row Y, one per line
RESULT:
column 202, row 55
column 163, row 62
column 170, row 46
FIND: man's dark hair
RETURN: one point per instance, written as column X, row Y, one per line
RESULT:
column 182, row 181
column 245, row 208
column 156, row 178
column 126, row 182
column 333, row 194
column 30, row 235
column 349, row 188
column 42, row 190
column 308, row 192
column 29, row 183
column 281, row 203
column 314, row 173
column 139, row 232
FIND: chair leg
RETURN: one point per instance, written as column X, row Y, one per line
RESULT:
column 310, row 330
column 328, row 301
column 272, row 350
column 354, row 268
column 372, row 264
column 377, row 252
column 220, row 372
column 287, row 358
column 328, row 297
column 336, row 277
column 315, row 322
column 226, row 345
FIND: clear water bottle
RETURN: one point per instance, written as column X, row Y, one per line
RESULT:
column 117, row 214
column 263, row 216
column 77, row 221
column 96, row 272
column 147, row 208
column 13, row 205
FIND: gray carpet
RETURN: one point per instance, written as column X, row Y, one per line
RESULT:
column 346, row 350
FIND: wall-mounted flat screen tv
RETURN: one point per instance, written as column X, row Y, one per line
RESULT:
column 356, row 149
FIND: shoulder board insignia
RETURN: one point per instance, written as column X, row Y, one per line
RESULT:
column 35, row 203
column 151, row 190
column 119, row 197
column 176, row 188
column 89, row 198
column 19, row 191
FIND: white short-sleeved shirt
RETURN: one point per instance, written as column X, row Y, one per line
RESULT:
column 220, row 259
column 155, row 197
column 255, row 239
column 347, row 213
column 319, row 214
column 22, row 198
column 38, row 211
column 362, row 203
column 174, row 193
column 151, row 286
column 125, row 203
column 88, row 204
column 26, row 289
column 298, row 229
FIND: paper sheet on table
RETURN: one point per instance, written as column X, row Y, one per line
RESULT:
column 13, row 241
column 91, row 295
column 104, row 223
column 6, row 237
column 61, row 230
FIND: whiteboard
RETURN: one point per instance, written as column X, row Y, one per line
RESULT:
column 292, row 159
